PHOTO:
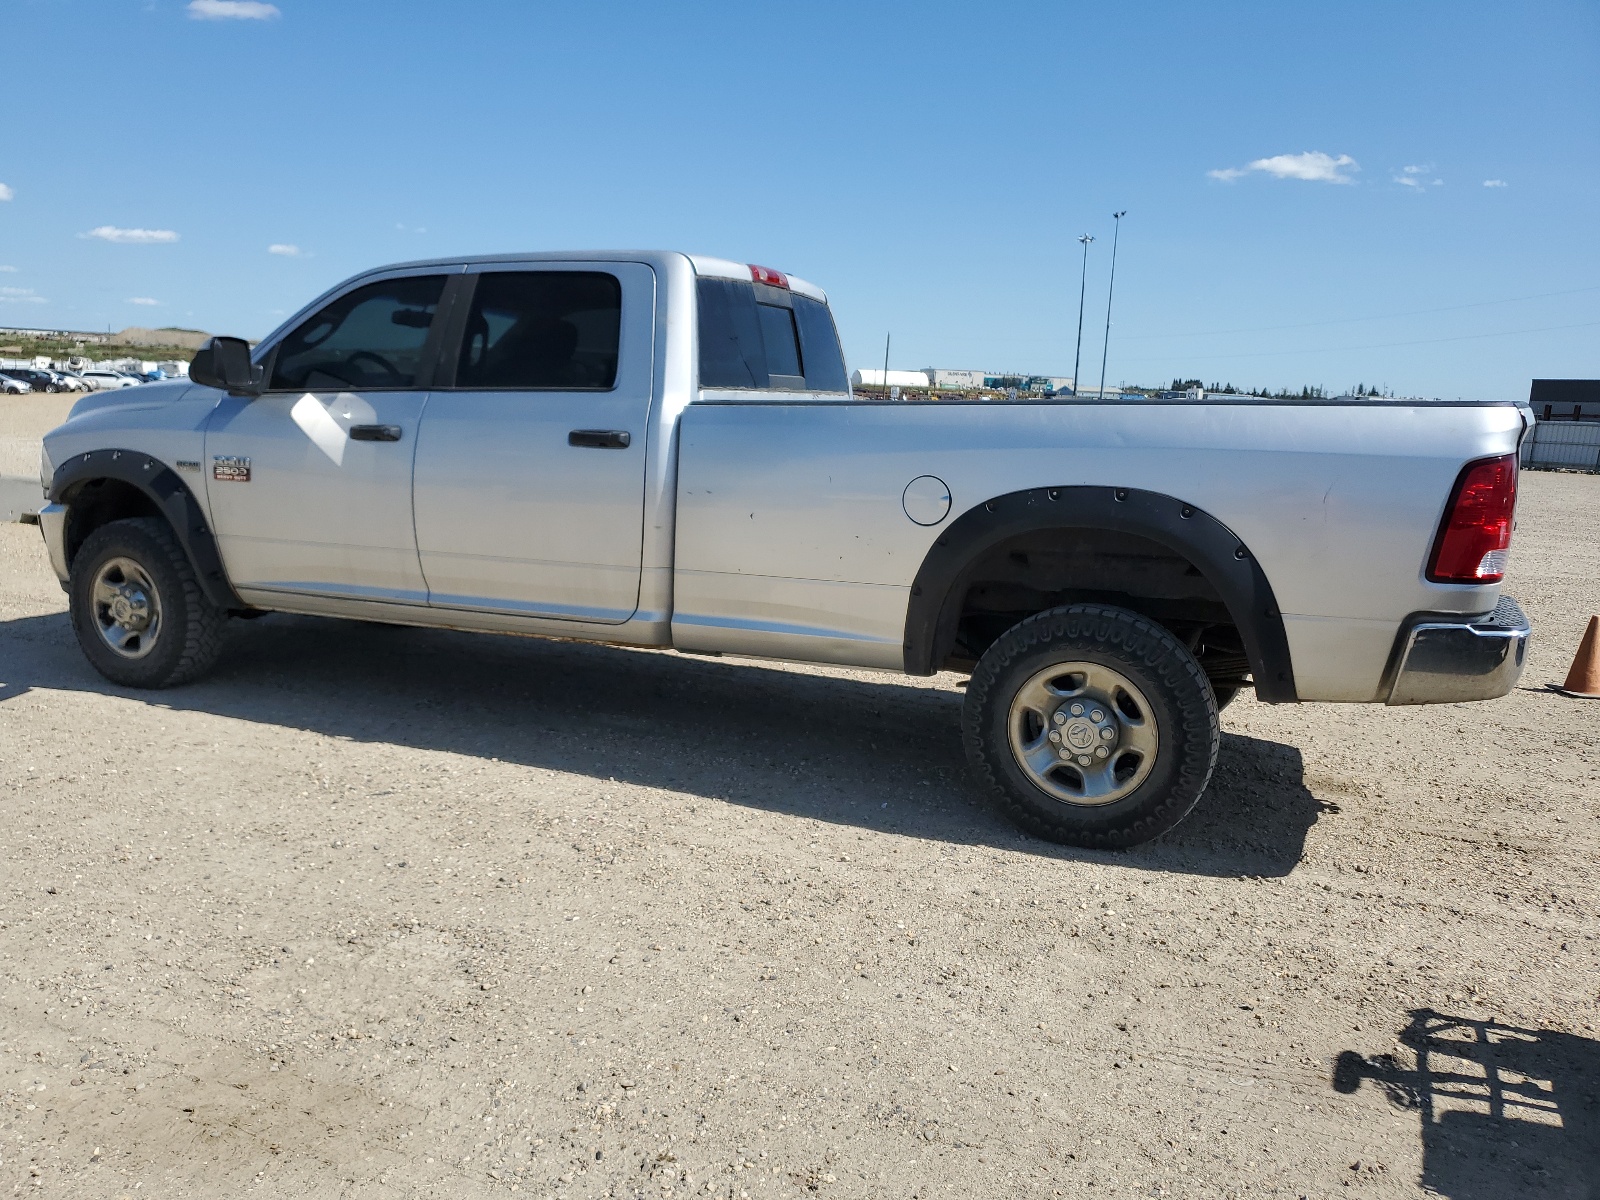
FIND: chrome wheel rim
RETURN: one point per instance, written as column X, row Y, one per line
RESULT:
column 127, row 607
column 1083, row 733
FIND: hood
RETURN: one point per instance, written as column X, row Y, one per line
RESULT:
column 144, row 396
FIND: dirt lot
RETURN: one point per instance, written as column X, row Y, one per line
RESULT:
column 381, row 912
column 23, row 421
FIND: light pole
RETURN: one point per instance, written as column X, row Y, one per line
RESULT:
column 1105, row 347
column 1083, row 282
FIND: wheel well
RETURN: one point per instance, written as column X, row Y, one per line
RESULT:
column 98, row 502
column 1046, row 568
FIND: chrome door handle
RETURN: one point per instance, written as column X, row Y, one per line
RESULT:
column 600, row 439
column 374, row 433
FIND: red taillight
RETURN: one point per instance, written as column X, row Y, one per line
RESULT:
column 768, row 276
column 1476, row 532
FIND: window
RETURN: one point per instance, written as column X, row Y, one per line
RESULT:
column 820, row 342
column 542, row 329
column 731, row 351
column 370, row 339
column 747, row 342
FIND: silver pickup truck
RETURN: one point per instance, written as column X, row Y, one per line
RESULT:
column 659, row 449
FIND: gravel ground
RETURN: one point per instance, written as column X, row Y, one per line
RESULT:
column 383, row 912
column 24, row 420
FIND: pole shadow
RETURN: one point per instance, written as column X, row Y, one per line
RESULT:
column 1505, row 1112
column 880, row 753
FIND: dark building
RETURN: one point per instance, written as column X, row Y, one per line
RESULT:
column 1565, row 399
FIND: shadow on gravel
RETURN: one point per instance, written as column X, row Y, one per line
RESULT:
column 1505, row 1111
column 878, row 754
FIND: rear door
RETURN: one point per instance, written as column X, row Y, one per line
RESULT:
column 529, row 474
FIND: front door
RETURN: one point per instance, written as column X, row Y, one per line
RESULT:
column 310, row 482
column 529, row 480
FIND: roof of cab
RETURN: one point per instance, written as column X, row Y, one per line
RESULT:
column 704, row 265
column 725, row 268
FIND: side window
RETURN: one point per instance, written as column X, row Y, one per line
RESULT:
column 370, row 339
column 542, row 329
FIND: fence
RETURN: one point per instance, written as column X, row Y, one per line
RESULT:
column 1563, row 446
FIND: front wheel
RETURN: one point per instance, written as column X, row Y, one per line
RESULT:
column 1090, row 725
column 141, row 617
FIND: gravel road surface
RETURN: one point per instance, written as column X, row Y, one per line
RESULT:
column 376, row 912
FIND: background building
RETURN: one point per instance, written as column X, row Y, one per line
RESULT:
column 1565, row 399
column 874, row 377
column 947, row 379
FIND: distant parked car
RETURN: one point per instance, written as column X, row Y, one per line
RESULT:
column 74, row 382
column 40, row 381
column 11, row 386
column 102, row 381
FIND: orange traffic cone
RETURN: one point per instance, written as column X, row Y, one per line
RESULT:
column 1583, row 681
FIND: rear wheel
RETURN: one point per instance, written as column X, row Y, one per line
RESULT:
column 141, row 617
column 1092, row 726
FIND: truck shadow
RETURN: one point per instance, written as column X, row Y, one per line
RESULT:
column 1504, row 1111
column 877, row 752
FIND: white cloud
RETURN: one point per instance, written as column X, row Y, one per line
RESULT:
column 11, row 295
column 8, row 270
column 7, row 192
column 145, row 300
column 1413, row 177
column 1494, row 183
column 232, row 10
column 110, row 233
column 1313, row 166
column 284, row 248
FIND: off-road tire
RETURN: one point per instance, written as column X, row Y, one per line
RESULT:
column 1176, row 689
column 190, row 636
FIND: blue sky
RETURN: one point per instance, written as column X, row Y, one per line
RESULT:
column 930, row 165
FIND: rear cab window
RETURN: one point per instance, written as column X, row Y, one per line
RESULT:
column 757, row 337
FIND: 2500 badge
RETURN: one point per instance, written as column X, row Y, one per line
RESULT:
column 230, row 468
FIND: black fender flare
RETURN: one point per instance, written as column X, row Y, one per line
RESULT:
column 173, row 500
column 1214, row 549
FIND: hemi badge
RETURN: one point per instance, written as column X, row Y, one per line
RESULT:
column 230, row 468
column 185, row 464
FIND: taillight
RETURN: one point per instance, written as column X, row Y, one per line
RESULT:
column 1476, row 533
column 768, row 276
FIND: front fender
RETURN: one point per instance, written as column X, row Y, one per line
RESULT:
column 172, row 499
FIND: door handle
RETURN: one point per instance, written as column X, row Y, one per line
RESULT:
column 374, row 433
column 600, row 439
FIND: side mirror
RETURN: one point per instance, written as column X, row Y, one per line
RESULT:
column 224, row 362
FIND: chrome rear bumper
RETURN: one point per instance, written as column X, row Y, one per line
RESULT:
column 1442, row 661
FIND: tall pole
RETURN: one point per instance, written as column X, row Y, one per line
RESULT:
column 1083, row 282
column 1110, row 291
column 886, row 338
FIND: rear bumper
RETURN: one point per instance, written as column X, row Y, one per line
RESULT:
column 1439, row 660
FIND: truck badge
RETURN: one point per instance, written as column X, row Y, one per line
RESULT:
column 230, row 468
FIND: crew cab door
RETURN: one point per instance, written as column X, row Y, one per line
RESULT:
column 310, row 482
column 529, row 477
